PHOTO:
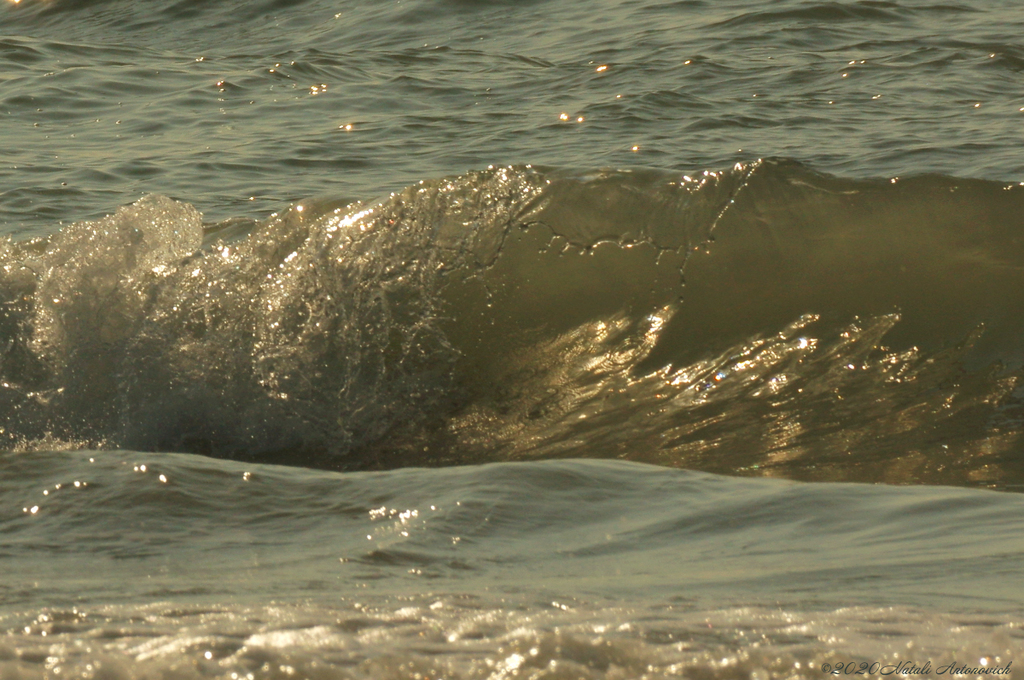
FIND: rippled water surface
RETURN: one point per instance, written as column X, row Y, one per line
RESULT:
column 242, row 107
column 475, row 339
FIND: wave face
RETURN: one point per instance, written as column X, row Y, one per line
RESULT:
column 764, row 319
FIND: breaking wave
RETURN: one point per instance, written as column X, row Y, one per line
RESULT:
column 764, row 319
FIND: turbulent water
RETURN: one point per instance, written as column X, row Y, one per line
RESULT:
column 458, row 339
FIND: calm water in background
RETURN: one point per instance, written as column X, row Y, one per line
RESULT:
column 217, row 103
column 423, row 367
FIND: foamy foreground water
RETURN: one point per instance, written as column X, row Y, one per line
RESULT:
column 122, row 564
column 465, row 637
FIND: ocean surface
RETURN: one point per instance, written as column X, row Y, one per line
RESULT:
column 483, row 339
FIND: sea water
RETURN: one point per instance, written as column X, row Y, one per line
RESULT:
column 471, row 339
